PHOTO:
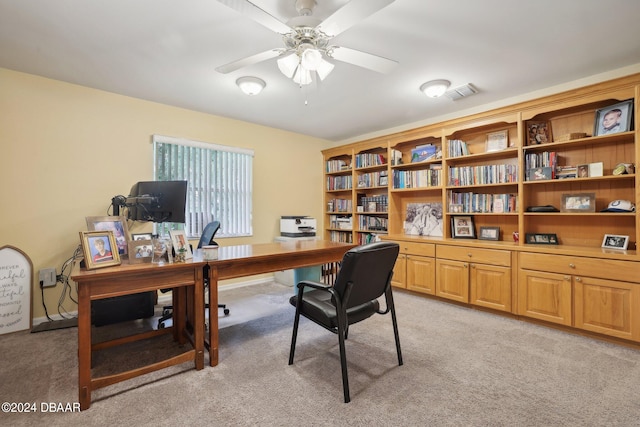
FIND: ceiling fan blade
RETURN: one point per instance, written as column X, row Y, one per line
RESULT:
column 250, row 10
column 350, row 14
column 249, row 60
column 363, row 59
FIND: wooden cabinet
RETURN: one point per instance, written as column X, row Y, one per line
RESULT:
column 415, row 267
column 474, row 275
column 545, row 296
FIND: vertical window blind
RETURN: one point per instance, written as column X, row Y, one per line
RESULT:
column 219, row 184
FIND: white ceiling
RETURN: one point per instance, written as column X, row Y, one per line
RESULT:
column 167, row 51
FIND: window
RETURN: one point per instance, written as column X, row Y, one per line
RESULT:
column 220, row 184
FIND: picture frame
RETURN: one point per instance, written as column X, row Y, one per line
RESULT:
column 539, row 132
column 463, row 227
column 539, row 174
column 99, row 248
column 383, row 181
column 140, row 251
column 180, row 241
column 541, row 238
column 141, row 236
column 613, row 119
column 497, row 141
column 456, row 208
column 614, row 241
column 578, row 202
column 489, row 233
column 582, row 171
column 117, row 224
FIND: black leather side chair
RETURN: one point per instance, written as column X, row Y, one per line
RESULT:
column 205, row 239
column 365, row 275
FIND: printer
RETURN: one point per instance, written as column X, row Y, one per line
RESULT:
column 297, row 226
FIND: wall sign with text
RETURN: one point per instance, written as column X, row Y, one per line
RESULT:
column 16, row 277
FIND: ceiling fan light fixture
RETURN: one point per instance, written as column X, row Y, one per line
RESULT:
column 324, row 69
column 311, row 59
column 251, row 85
column 435, row 88
column 288, row 64
column 302, row 76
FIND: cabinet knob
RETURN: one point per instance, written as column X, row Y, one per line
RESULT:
column 473, row 266
column 567, row 278
column 466, row 266
column 469, row 255
column 572, row 265
column 578, row 279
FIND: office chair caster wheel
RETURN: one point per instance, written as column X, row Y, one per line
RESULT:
column 226, row 311
column 161, row 325
column 166, row 312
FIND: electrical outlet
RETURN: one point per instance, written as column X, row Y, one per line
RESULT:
column 48, row 277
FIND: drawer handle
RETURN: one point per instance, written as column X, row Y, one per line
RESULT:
column 578, row 279
column 567, row 278
column 469, row 255
column 572, row 265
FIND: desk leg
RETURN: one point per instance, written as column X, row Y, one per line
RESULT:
column 84, row 346
column 213, row 316
column 198, row 318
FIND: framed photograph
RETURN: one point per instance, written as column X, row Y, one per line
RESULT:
column 179, row 240
column 541, row 239
column 99, row 248
column 538, row 133
column 141, row 236
column 456, row 208
column 615, row 118
column 497, row 141
column 117, row 224
column 384, row 180
column 579, row 202
column 423, row 219
column 462, row 227
column 582, row 171
column 612, row 241
column 539, row 174
column 140, row 251
column 489, row 233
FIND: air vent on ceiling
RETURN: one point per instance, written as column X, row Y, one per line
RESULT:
column 461, row 92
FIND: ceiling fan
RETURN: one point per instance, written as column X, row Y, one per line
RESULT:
column 307, row 40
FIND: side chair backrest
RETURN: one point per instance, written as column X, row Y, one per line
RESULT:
column 209, row 231
column 368, row 268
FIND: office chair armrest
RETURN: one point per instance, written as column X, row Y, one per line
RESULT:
column 315, row 285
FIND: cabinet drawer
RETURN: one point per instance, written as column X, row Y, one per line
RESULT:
column 412, row 248
column 484, row 256
column 626, row 271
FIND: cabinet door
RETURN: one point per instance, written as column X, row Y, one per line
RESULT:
column 421, row 274
column 399, row 276
column 490, row 286
column 607, row 307
column 452, row 280
column 545, row 296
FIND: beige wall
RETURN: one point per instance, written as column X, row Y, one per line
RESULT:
column 67, row 150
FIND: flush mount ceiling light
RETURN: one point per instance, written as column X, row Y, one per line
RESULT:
column 435, row 88
column 250, row 85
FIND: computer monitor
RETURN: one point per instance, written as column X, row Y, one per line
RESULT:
column 158, row 201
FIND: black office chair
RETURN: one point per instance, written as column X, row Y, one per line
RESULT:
column 205, row 239
column 364, row 276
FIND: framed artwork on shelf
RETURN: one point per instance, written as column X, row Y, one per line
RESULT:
column 582, row 171
column 456, row 208
column 140, row 251
column 99, row 248
column 538, row 133
column 612, row 241
column 579, row 202
column 180, row 243
column 489, row 233
column 462, row 227
column 541, row 238
column 117, row 224
column 497, row 141
column 423, row 219
column 539, row 174
column 141, row 236
column 615, row 118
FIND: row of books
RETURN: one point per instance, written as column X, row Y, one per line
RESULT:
column 479, row 175
column 364, row 238
column 372, row 179
column 340, row 205
column 364, row 160
column 341, row 236
column 482, row 203
column 379, row 203
column 457, row 148
column 373, row 223
column 336, row 165
column 342, row 222
column 340, row 182
column 418, row 178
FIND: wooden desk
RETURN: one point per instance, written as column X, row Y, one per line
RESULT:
column 130, row 279
column 248, row 260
